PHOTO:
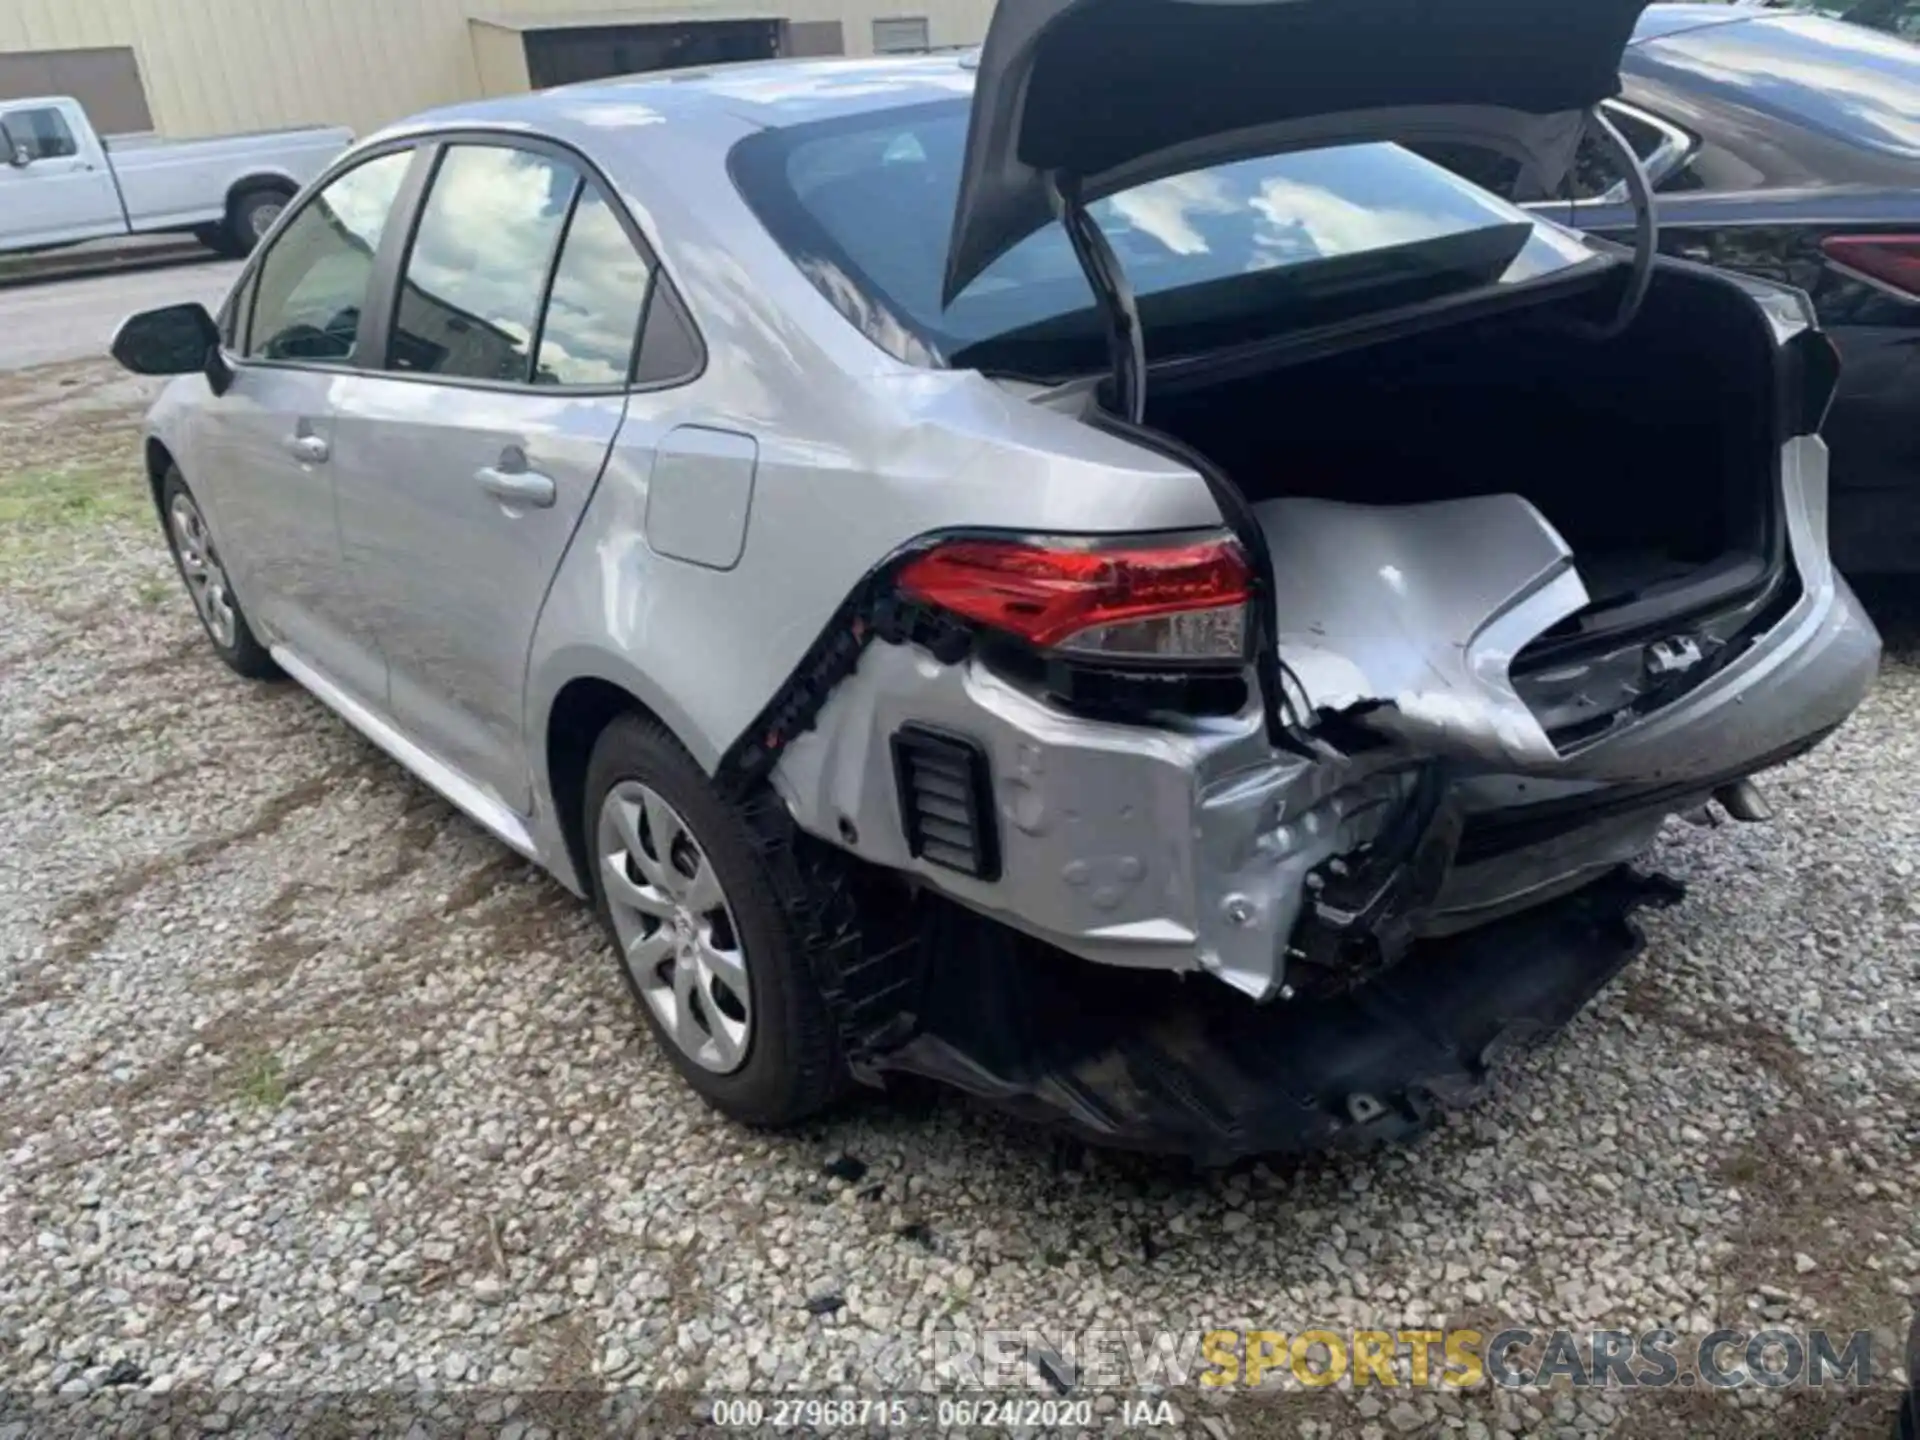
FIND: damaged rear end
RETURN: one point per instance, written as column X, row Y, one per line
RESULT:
column 1278, row 834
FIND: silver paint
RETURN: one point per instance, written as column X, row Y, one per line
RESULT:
column 700, row 495
column 444, row 617
column 1420, row 609
column 1180, row 847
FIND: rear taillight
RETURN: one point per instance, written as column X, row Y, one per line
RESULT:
column 1166, row 602
column 1890, row 261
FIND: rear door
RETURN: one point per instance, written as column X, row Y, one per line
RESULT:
column 262, row 453
column 64, row 191
column 465, row 460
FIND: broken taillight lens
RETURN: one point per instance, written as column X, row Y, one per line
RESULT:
column 1163, row 602
column 1889, row 260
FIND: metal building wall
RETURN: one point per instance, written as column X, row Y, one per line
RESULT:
column 213, row 67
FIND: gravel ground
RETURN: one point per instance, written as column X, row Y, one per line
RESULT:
column 307, row 1086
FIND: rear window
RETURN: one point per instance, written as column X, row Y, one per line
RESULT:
column 864, row 205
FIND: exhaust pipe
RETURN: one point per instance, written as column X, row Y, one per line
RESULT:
column 1743, row 801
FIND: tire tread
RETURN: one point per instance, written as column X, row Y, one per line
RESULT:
column 754, row 842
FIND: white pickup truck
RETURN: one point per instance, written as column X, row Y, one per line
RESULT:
column 62, row 184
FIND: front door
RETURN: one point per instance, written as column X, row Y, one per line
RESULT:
column 64, row 191
column 266, row 472
column 463, row 466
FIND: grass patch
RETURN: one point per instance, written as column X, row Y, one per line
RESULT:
column 263, row 1082
column 154, row 593
column 64, row 499
column 48, row 513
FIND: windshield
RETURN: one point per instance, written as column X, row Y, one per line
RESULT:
column 864, row 205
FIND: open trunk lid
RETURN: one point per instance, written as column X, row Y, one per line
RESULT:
column 1086, row 98
column 1079, row 100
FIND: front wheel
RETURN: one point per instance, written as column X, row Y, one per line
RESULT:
column 207, row 584
column 705, row 948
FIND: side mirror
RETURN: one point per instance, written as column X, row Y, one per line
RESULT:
column 176, row 340
column 18, row 155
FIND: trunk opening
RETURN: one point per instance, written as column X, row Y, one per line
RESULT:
column 1654, row 455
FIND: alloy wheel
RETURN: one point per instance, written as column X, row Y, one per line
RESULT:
column 200, row 563
column 674, row 927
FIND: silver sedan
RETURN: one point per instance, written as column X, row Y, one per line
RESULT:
column 1175, row 617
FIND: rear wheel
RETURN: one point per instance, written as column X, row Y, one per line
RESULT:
column 1910, row 1404
column 207, row 584
column 705, row 947
column 250, row 216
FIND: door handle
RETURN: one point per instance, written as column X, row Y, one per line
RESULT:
column 518, row 487
column 309, row 449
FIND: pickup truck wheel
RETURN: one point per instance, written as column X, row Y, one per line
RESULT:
column 251, row 216
column 207, row 585
column 705, row 946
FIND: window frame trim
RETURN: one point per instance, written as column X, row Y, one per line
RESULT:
column 384, row 295
column 390, row 271
column 581, row 185
column 389, row 261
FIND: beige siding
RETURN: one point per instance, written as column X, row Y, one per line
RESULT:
column 217, row 66
column 501, row 58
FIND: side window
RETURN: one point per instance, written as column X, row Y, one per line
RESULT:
column 1597, row 175
column 470, row 294
column 670, row 349
column 599, row 290
column 313, row 282
column 43, row 134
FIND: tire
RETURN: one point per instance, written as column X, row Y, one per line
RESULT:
column 197, row 559
column 788, row 1066
column 249, row 217
column 1909, row 1424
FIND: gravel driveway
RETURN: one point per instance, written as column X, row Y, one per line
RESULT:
column 308, row 1086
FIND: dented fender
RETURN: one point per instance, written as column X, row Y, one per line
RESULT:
column 1412, row 615
column 1181, row 847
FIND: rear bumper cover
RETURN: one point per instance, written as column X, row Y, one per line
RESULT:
column 1188, row 845
column 1152, row 1063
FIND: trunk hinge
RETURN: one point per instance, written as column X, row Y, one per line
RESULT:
column 1127, row 351
column 1126, row 341
column 1646, row 230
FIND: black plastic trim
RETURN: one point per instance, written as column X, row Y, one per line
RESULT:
column 1141, row 1060
column 914, row 745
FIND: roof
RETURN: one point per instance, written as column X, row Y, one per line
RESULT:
column 523, row 21
column 721, row 99
column 1659, row 20
column 1844, row 81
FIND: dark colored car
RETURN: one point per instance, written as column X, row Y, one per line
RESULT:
column 1897, row 17
column 1909, row 1424
column 1787, row 145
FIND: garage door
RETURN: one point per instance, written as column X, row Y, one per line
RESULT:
column 599, row 52
column 105, row 80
